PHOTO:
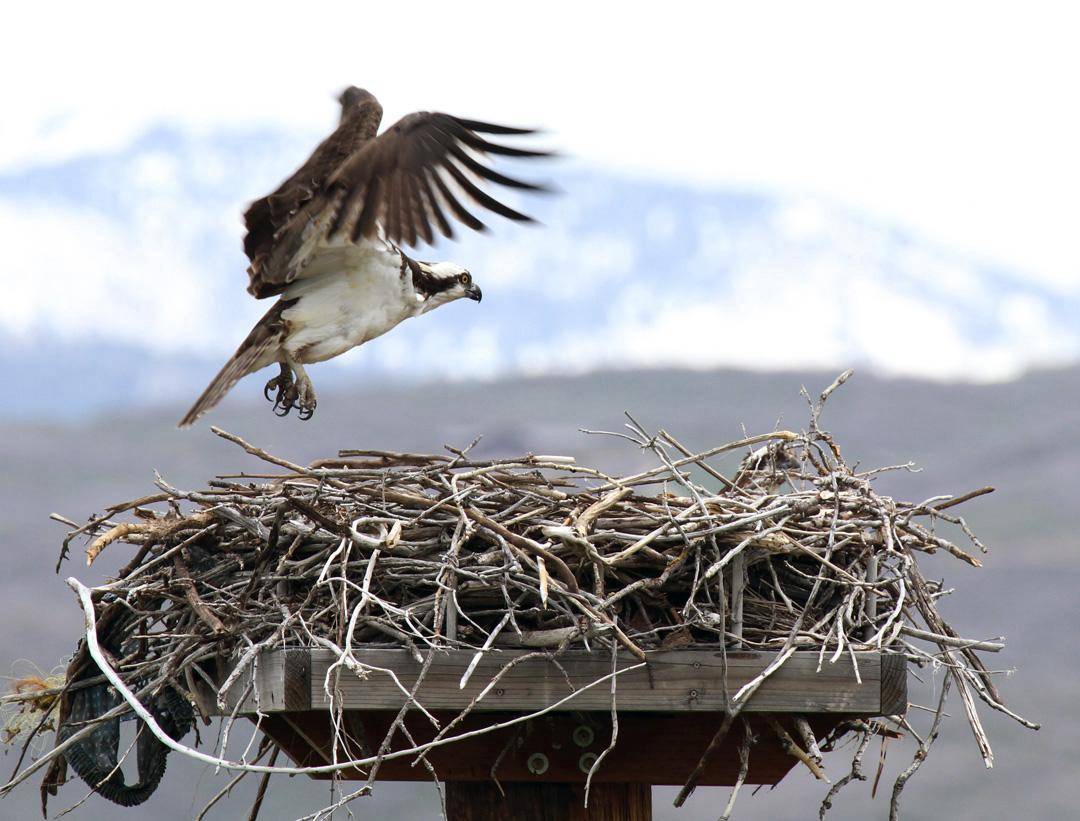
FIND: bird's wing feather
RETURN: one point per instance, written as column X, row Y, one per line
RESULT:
column 404, row 185
column 267, row 215
column 254, row 353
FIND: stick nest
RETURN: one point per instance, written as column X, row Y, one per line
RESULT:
column 794, row 549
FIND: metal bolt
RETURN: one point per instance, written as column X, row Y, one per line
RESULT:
column 586, row 762
column 537, row 763
column 499, row 691
column 583, row 735
column 697, row 665
column 693, row 694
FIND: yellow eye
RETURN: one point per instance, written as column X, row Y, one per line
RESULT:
column 465, row 279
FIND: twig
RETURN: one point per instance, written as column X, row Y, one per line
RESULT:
column 791, row 748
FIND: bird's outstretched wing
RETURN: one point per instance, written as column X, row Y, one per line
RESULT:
column 405, row 184
column 360, row 118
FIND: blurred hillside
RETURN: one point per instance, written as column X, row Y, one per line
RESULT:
column 128, row 283
column 1020, row 436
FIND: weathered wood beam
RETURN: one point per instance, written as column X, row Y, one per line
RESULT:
column 658, row 748
column 485, row 801
column 676, row 681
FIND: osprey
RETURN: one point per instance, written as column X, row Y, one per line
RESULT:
column 327, row 241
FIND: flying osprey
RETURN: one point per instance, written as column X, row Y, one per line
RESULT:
column 326, row 242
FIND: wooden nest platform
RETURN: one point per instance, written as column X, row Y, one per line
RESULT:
column 522, row 630
column 667, row 711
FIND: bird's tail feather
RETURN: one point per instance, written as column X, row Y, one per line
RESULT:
column 246, row 360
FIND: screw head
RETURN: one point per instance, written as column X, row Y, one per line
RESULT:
column 586, row 762
column 537, row 763
column 499, row 691
column 583, row 735
column 693, row 694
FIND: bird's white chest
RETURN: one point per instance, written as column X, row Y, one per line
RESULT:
column 360, row 295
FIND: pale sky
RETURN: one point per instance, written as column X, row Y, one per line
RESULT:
column 955, row 120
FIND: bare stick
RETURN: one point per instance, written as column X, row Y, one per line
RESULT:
column 744, row 768
column 791, row 748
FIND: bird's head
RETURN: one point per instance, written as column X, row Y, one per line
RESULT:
column 442, row 282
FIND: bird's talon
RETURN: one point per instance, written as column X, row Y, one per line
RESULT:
column 305, row 397
column 284, row 388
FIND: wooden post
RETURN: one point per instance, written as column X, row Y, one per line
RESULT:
column 482, row 801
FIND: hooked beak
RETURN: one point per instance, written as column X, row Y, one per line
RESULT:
column 473, row 292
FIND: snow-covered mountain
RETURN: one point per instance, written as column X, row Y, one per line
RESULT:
column 124, row 282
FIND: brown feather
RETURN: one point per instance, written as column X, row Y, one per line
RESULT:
column 267, row 334
column 360, row 117
column 492, row 128
column 433, row 204
column 481, row 198
column 395, row 183
column 490, row 174
column 365, row 221
column 420, row 210
column 459, row 210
